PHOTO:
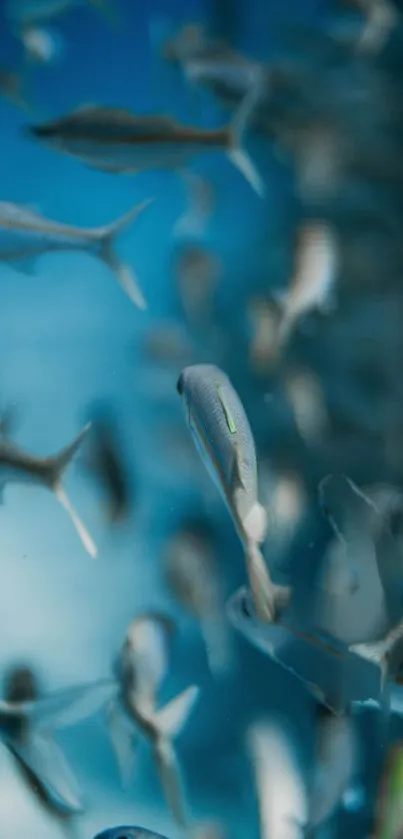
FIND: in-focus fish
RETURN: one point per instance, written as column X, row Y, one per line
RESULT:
column 281, row 792
column 18, row 466
column 26, row 728
column 389, row 809
column 128, row 832
column 223, row 437
column 314, row 277
column 192, row 576
column 115, row 140
column 106, row 460
column 25, row 235
column 140, row 670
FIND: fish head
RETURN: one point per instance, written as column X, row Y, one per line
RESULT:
column 128, row 832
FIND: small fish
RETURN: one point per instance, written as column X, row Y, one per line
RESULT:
column 167, row 343
column 140, row 669
column 115, row 140
column 198, row 273
column 306, row 397
column 382, row 18
column 192, row 576
column 282, row 797
column 314, row 278
column 224, row 440
column 43, row 46
column 128, row 832
column 18, row 466
column 264, row 319
column 335, row 765
column 107, row 462
column 26, row 729
column 389, row 809
column 12, row 87
column 25, row 235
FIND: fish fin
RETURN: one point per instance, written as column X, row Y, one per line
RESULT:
column 236, row 153
column 67, row 707
column 170, row 777
column 56, row 466
column 376, row 653
column 106, row 239
column 255, row 523
column 268, row 598
column 123, row 739
column 173, row 716
column 43, row 759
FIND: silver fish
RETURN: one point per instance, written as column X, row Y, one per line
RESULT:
column 25, row 235
column 140, row 669
column 26, row 728
column 115, row 140
column 18, row 466
column 223, row 437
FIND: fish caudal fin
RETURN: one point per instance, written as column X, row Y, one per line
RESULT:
column 57, row 465
column 268, row 598
column 236, row 152
column 106, row 250
column 173, row 716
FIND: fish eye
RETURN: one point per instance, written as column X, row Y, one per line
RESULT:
column 180, row 384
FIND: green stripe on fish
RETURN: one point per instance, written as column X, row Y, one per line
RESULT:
column 228, row 416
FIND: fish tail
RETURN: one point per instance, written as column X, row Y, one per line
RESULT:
column 106, row 250
column 56, row 467
column 169, row 721
column 268, row 598
column 236, row 151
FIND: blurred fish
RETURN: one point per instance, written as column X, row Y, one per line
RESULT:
column 20, row 684
column 24, row 12
column 167, row 343
column 264, row 318
column 315, row 274
column 280, row 786
column 12, row 87
column 107, row 462
column 209, row 830
column 198, row 272
column 193, row 578
column 140, row 670
column 224, row 440
column 26, row 728
column 306, row 397
column 285, row 498
column 128, row 832
column 389, row 809
column 18, row 466
column 43, row 45
column 115, row 140
column 335, row 765
column 25, row 235
column 381, row 18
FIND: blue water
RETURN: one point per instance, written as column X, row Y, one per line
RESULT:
column 68, row 336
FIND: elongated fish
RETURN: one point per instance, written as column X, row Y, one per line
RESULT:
column 25, row 235
column 224, row 439
column 26, row 729
column 18, row 466
column 140, row 669
column 115, row 140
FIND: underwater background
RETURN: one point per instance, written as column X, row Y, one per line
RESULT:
column 70, row 338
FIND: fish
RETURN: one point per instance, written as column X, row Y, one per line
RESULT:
column 43, row 45
column 313, row 283
column 118, row 141
column 224, row 440
column 198, row 272
column 192, row 576
column 281, row 792
column 335, row 765
column 306, row 398
column 26, row 730
column 264, row 319
column 25, row 12
column 128, row 832
column 140, row 668
column 381, row 18
column 26, row 235
column 107, row 462
column 12, row 87
column 19, row 466
column 388, row 808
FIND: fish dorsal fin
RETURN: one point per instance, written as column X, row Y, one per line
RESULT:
column 221, row 392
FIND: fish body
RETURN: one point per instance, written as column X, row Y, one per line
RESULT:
column 140, row 669
column 26, row 235
column 115, row 140
column 128, row 832
column 223, row 437
column 18, row 466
